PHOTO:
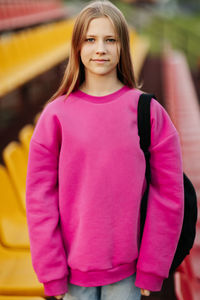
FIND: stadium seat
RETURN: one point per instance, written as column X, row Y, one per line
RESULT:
column 194, row 261
column 185, row 288
column 24, row 13
column 17, row 276
column 13, row 223
column 25, row 135
column 28, row 53
column 183, row 107
column 15, row 161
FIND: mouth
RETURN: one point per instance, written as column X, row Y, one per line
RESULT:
column 100, row 60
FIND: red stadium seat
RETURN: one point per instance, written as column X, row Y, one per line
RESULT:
column 185, row 288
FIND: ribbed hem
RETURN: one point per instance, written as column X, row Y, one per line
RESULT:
column 148, row 281
column 56, row 287
column 99, row 278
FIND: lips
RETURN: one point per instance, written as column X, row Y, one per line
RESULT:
column 100, row 60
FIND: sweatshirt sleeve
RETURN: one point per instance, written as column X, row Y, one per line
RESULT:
column 165, row 207
column 42, row 209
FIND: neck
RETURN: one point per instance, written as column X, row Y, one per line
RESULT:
column 99, row 85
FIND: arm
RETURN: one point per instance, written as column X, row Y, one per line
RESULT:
column 165, row 203
column 47, row 250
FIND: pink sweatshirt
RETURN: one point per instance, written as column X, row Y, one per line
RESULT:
column 85, row 180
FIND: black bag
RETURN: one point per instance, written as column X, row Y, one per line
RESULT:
column 188, row 231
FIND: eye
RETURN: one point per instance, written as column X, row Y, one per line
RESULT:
column 111, row 40
column 89, row 40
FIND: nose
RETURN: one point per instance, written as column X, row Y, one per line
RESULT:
column 100, row 47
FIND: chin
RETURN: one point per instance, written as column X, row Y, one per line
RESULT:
column 102, row 72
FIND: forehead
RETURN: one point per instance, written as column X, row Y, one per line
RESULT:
column 101, row 26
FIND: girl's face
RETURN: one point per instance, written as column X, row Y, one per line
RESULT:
column 100, row 52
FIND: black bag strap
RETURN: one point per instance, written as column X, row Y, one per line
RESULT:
column 144, row 132
column 144, row 128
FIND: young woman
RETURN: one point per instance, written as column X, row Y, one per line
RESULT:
column 86, row 174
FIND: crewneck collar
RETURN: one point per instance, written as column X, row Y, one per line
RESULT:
column 101, row 99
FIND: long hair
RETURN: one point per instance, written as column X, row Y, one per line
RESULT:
column 74, row 74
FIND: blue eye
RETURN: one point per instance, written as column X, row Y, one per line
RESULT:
column 111, row 40
column 89, row 40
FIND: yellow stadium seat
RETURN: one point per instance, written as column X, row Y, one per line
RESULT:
column 15, row 161
column 17, row 276
column 30, row 52
column 13, row 223
column 25, row 135
column 20, row 298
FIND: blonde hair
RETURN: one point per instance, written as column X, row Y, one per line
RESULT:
column 74, row 73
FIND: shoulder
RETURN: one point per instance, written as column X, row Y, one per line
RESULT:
column 54, row 109
column 54, row 105
column 133, row 91
column 161, row 123
column 157, row 109
column 136, row 93
column 162, row 127
column 159, row 115
column 49, row 116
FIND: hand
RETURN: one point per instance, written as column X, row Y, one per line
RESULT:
column 59, row 296
column 145, row 292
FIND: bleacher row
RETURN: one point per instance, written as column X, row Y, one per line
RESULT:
column 30, row 52
column 16, row 14
column 183, row 107
column 17, row 276
column 35, row 52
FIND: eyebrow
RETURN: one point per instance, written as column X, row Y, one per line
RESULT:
column 105, row 35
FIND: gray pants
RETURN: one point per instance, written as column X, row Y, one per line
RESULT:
column 122, row 290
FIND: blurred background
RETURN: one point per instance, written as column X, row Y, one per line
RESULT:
column 34, row 48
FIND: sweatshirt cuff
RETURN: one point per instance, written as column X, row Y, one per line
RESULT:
column 56, row 287
column 148, row 281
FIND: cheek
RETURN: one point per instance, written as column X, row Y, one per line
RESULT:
column 115, row 52
column 116, row 55
column 85, row 52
